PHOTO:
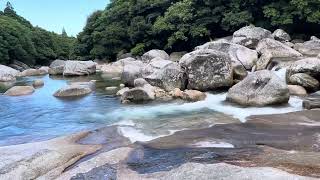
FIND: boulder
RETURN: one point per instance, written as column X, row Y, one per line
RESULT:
column 140, row 82
column 260, row 88
column 44, row 70
column 79, row 68
column 139, row 95
column 122, row 91
column 310, row 66
column 281, row 35
column 155, row 65
column 176, row 56
column 239, row 72
column 57, row 67
column 296, row 90
column 207, row 69
column 73, row 91
column 148, row 56
column 168, row 77
column 309, row 48
column 32, row 72
column 130, row 73
column 305, row 81
column 272, row 50
column 7, row 73
column 19, row 91
column 250, row 36
column 239, row 55
column 112, row 90
column 194, row 95
column 38, row 83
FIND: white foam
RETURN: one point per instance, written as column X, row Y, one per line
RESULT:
column 213, row 144
column 135, row 135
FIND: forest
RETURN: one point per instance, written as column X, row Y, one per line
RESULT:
column 136, row 26
column 20, row 41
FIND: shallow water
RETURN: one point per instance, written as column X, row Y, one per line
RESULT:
column 41, row 116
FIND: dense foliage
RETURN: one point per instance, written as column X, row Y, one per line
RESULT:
column 175, row 25
column 19, row 40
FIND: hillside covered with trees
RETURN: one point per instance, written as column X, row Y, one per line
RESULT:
column 21, row 41
column 179, row 25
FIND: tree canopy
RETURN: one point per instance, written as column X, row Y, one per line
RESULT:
column 19, row 40
column 177, row 25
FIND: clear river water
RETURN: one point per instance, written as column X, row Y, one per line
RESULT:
column 41, row 116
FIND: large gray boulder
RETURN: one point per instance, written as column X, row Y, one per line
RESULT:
column 250, row 36
column 148, row 56
column 165, row 74
column 281, row 35
column 57, row 67
column 19, row 91
column 79, row 68
column 155, row 65
column 271, row 49
column 309, row 48
column 305, row 81
column 131, row 71
column 239, row 55
column 309, row 66
column 207, row 69
column 73, row 91
column 260, row 88
column 7, row 73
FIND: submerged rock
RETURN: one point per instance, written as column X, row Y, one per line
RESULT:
column 38, row 83
column 207, row 69
column 79, row 68
column 305, row 81
column 73, row 91
column 239, row 55
column 250, row 36
column 155, row 53
column 57, row 67
column 260, row 88
column 19, row 91
column 7, row 73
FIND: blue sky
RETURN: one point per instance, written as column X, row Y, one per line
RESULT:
column 53, row 15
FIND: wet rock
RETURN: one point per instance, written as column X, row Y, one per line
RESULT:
column 148, row 56
column 297, row 90
column 19, row 91
column 43, row 160
column 310, row 66
column 207, row 69
column 271, row 49
column 305, row 81
column 57, row 67
column 309, row 48
column 38, row 83
column 239, row 55
column 103, row 172
column 7, row 73
column 194, row 95
column 73, row 91
column 260, row 88
column 312, row 101
column 122, row 91
column 139, row 95
column 281, row 35
column 250, row 36
column 79, row 68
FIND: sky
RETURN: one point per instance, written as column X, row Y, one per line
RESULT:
column 54, row 15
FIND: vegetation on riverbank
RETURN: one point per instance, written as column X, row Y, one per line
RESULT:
column 21, row 41
column 179, row 25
